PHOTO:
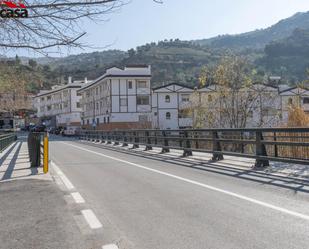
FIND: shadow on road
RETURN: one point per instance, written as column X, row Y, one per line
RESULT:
column 264, row 178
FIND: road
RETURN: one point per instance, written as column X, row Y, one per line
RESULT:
column 152, row 204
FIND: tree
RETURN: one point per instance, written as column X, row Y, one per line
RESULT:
column 233, row 99
column 32, row 63
column 54, row 23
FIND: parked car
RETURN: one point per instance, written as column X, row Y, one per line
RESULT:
column 69, row 131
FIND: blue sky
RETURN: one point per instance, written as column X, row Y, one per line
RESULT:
column 144, row 21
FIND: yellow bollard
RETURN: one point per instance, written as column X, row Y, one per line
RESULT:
column 45, row 155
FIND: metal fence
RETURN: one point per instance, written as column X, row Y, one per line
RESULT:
column 289, row 145
column 6, row 140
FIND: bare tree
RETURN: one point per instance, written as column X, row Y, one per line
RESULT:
column 234, row 102
column 54, row 23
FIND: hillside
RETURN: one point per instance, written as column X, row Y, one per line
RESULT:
column 259, row 38
column 288, row 57
column 278, row 50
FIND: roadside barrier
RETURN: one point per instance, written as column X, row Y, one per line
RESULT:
column 38, row 144
column 290, row 145
column 6, row 140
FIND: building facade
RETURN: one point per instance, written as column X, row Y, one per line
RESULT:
column 171, row 107
column 60, row 106
column 119, row 99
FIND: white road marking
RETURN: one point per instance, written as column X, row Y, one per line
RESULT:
column 64, row 179
column 239, row 196
column 111, row 246
column 92, row 220
column 77, row 197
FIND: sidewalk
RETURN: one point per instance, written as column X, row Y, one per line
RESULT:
column 33, row 210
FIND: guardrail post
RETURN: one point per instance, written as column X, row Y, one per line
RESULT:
column 260, row 150
column 97, row 136
column 116, row 138
column 276, row 147
column 108, row 137
column 102, row 139
column 187, row 151
column 148, row 146
column 136, row 141
column 165, row 148
column 125, row 139
column 216, row 147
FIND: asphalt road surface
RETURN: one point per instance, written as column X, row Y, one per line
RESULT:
column 153, row 204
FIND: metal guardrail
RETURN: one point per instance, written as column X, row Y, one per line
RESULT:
column 6, row 140
column 38, row 149
column 290, row 145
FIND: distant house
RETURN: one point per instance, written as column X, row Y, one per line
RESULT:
column 170, row 107
column 293, row 96
column 60, row 106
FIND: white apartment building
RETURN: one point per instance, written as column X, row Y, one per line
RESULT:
column 169, row 107
column 293, row 95
column 60, row 106
column 119, row 99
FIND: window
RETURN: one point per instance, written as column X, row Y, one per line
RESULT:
column 42, row 99
column 142, row 100
column 97, row 105
column 98, row 121
column 123, row 101
column 168, row 115
column 48, row 97
column 306, row 101
column 185, row 97
column 49, row 108
column 107, row 119
column 290, row 101
column 77, row 104
column 156, row 114
column 65, row 105
column 87, row 121
column 130, row 84
column 97, row 91
column 104, row 120
column 209, row 98
column 142, row 84
column 167, row 99
column 142, row 118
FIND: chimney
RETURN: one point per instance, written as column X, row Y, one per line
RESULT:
column 86, row 80
column 70, row 80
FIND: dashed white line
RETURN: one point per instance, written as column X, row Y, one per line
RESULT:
column 110, row 246
column 226, row 192
column 77, row 197
column 92, row 220
column 64, row 179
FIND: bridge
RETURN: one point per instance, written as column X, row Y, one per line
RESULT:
column 228, row 188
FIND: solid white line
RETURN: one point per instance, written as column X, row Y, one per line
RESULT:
column 92, row 220
column 64, row 179
column 111, row 246
column 239, row 196
column 77, row 197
